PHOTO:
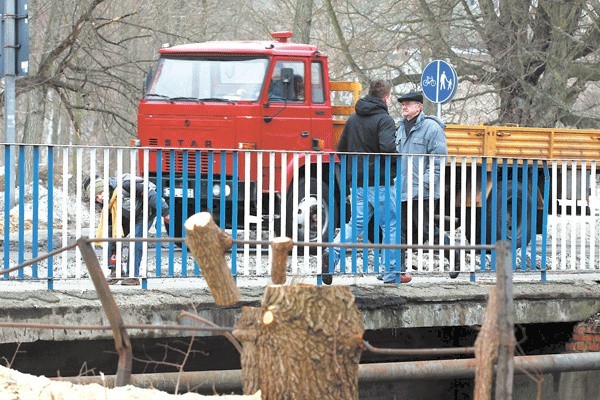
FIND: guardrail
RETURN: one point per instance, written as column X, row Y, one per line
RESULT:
column 546, row 208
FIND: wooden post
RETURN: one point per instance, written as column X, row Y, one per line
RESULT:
column 208, row 244
column 495, row 343
column 281, row 247
column 304, row 342
column 506, row 325
column 486, row 349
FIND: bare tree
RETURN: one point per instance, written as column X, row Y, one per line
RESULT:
column 531, row 63
column 539, row 56
column 88, row 59
column 526, row 62
column 303, row 20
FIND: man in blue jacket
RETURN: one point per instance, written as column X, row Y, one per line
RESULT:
column 419, row 134
column 369, row 130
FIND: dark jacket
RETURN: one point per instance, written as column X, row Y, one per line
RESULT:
column 153, row 198
column 370, row 130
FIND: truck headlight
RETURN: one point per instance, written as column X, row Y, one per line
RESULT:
column 217, row 190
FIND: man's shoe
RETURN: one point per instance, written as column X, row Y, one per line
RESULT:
column 380, row 276
column 326, row 277
column 391, row 278
column 112, row 278
column 131, row 282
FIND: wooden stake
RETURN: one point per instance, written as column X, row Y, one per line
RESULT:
column 281, row 247
column 304, row 342
column 486, row 349
column 495, row 344
column 506, row 324
column 208, row 245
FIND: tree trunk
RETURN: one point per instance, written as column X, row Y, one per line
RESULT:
column 247, row 331
column 303, row 21
column 304, row 342
column 281, row 247
column 208, row 244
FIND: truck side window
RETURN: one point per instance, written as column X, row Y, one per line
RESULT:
column 316, row 82
column 297, row 82
column 298, row 88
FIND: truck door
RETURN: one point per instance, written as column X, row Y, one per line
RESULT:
column 321, row 113
column 287, row 120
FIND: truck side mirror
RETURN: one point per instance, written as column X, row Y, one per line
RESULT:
column 287, row 79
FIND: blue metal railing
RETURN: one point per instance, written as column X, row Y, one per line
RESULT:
column 511, row 193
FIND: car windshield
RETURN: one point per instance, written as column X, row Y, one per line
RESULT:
column 208, row 79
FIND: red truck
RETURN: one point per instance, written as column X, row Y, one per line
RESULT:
column 276, row 95
column 246, row 95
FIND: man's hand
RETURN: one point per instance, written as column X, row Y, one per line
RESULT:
column 166, row 219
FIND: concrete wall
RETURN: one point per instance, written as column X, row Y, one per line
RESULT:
column 383, row 307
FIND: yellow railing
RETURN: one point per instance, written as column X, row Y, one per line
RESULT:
column 520, row 142
column 341, row 112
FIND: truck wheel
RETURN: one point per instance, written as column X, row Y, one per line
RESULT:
column 308, row 204
column 511, row 231
column 177, row 222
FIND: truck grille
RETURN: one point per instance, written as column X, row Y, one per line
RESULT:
column 191, row 161
column 179, row 161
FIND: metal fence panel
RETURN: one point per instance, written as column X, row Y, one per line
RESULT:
column 482, row 199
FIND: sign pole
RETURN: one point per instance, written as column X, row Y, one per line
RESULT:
column 439, row 110
column 9, row 55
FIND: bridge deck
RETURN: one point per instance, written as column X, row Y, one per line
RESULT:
column 425, row 302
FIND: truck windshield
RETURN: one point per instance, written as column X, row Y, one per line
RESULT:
column 208, row 79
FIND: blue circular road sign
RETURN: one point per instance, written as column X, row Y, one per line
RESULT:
column 439, row 81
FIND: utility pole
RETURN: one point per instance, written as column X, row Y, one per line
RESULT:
column 9, row 55
column 15, row 25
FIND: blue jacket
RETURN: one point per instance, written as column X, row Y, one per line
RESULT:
column 426, row 137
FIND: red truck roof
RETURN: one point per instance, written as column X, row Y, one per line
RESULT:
column 243, row 47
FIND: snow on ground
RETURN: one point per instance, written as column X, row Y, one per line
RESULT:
column 18, row 386
column 61, row 204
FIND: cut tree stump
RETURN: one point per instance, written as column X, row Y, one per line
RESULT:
column 304, row 342
column 208, row 244
column 281, row 247
column 247, row 331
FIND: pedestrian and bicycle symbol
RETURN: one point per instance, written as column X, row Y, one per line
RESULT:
column 439, row 81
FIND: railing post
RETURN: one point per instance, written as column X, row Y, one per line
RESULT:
column 122, row 343
column 504, row 367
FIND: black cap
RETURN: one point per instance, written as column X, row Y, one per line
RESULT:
column 411, row 96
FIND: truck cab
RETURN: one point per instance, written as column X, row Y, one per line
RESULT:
column 234, row 95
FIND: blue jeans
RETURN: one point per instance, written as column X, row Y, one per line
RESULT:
column 137, row 251
column 360, row 220
column 138, row 247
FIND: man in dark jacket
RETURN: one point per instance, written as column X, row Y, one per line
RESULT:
column 369, row 130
